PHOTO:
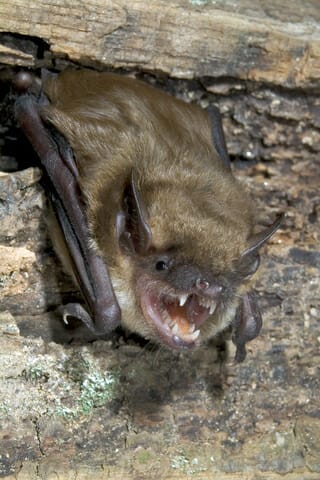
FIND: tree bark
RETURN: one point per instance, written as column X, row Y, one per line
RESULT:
column 274, row 43
column 111, row 408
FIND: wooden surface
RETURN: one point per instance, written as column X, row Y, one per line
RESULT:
column 274, row 42
column 70, row 408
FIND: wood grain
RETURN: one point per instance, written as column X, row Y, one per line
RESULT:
column 275, row 42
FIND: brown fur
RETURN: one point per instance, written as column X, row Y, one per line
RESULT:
column 194, row 204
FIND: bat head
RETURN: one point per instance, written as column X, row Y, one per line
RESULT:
column 184, row 297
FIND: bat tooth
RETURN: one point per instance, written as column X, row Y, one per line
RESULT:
column 192, row 328
column 193, row 336
column 204, row 302
column 209, row 304
column 168, row 321
column 175, row 329
column 212, row 307
column 182, row 299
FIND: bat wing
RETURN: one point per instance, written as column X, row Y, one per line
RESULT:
column 89, row 269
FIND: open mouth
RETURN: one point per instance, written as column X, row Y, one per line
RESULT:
column 177, row 318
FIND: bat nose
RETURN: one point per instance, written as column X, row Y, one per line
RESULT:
column 211, row 290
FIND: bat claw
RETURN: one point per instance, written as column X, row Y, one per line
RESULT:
column 76, row 310
column 105, row 320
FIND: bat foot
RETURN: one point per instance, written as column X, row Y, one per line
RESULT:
column 241, row 353
column 247, row 324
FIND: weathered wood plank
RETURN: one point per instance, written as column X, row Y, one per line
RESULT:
column 276, row 43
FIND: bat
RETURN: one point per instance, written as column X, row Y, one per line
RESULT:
column 157, row 233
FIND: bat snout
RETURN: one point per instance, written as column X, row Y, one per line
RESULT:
column 211, row 290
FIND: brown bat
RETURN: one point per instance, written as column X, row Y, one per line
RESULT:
column 154, row 228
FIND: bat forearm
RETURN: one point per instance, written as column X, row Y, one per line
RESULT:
column 89, row 269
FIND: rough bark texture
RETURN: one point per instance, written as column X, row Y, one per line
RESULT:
column 276, row 42
column 111, row 408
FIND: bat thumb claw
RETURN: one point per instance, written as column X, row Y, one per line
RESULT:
column 75, row 310
column 103, row 321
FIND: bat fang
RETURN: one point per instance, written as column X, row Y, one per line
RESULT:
column 182, row 299
column 175, row 318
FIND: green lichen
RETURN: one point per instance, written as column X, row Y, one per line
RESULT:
column 199, row 2
column 179, row 462
column 67, row 413
column 96, row 390
column 144, row 457
column 183, row 464
column 93, row 388
column 35, row 373
column 4, row 409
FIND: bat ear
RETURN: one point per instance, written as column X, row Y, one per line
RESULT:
column 217, row 134
column 133, row 231
column 259, row 239
column 249, row 260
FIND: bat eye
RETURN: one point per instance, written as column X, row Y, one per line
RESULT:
column 162, row 265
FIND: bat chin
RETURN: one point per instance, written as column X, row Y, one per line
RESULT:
column 176, row 318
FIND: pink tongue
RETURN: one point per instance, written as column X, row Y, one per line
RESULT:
column 197, row 314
